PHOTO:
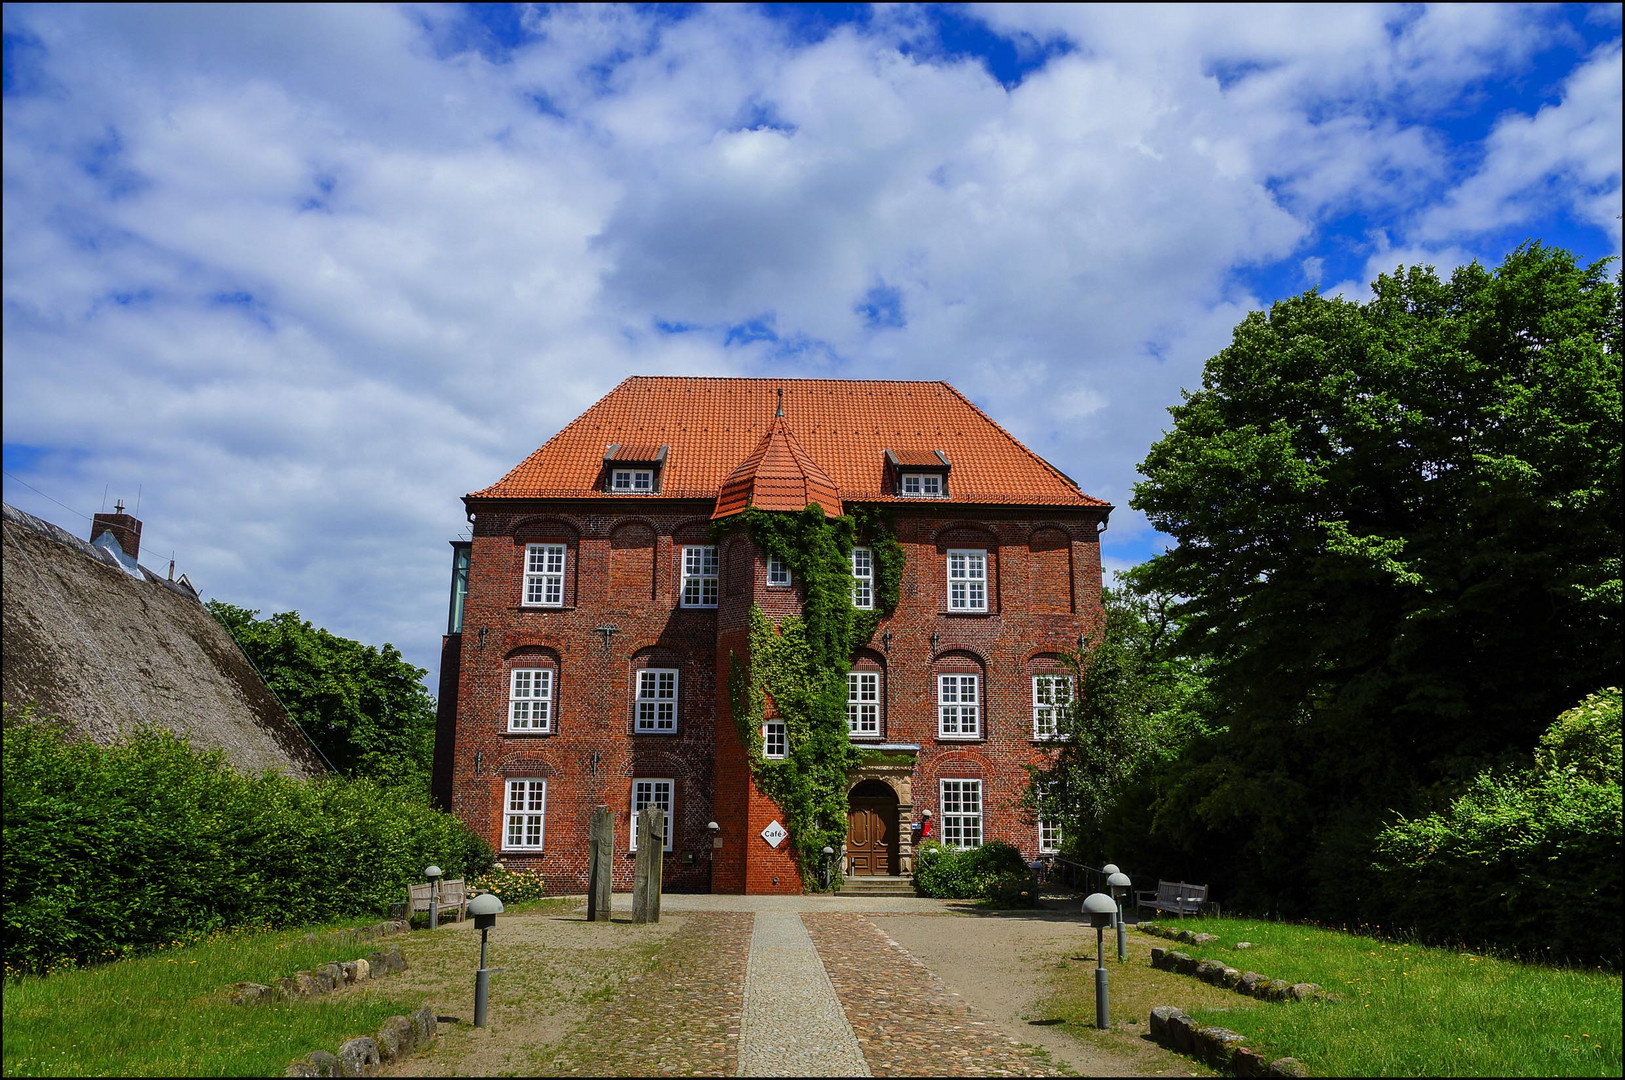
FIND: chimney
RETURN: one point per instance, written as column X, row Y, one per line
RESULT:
column 125, row 529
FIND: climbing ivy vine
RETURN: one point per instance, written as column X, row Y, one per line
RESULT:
column 803, row 663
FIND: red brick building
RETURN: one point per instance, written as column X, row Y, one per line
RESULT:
column 593, row 618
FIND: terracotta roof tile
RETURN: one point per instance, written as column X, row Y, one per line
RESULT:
column 778, row 475
column 842, row 427
column 916, row 457
column 633, row 452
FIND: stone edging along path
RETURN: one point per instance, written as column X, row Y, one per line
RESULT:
column 1218, row 1047
column 319, row 980
column 397, row 1037
column 1218, row 973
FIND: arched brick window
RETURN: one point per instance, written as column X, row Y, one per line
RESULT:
column 533, row 692
column 866, row 697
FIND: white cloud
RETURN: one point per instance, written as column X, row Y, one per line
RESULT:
column 306, row 275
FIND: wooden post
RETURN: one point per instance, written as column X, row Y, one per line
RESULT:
column 647, row 870
column 600, row 865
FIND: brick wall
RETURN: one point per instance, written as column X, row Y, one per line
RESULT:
column 623, row 571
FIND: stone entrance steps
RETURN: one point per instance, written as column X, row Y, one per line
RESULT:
column 877, row 886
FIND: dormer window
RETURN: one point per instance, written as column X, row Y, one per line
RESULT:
column 632, row 481
column 918, row 474
column 921, row 485
column 633, row 470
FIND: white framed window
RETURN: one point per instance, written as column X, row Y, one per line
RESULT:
column 778, row 574
column 1049, row 825
column 526, row 802
column 863, row 704
column 632, row 481
column 700, row 576
column 863, row 578
column 657, row 700
column 967, row 580
column 959, row 706
column 962, row 813
column 1051, row 695
column 918, row 485
column 530, row 700
column 775, row 743
column 544, row 575
column 651, row 793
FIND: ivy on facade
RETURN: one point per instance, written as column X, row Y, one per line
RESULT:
column 803, row 664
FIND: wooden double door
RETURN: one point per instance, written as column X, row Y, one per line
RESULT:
column 871, row 831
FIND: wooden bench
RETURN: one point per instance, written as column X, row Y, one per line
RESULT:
column 1174, row 897
column 453, row 897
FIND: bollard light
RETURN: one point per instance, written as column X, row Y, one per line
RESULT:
column 716, row 833
column 485, row 908
column 1109, row 869
column 829, row 856
column 433, row 874
column 1102, row 911
column 1119, row 884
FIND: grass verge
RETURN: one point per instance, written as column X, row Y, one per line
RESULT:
column 1407, row 1010
column 164, row 1014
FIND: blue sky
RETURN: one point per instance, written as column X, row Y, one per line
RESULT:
column 299, row 277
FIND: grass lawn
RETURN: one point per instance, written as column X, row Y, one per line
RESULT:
column 164, row 1014
column 1407, row 1010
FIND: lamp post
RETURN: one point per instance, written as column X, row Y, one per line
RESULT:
column 829, row 856
column 1102, row 910
column 433, row 874
column 1119, row 884
column 485, row 908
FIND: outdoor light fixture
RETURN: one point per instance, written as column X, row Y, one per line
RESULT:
column 829, row 856
column 1119, row 884
column 1102, row 912
column 433, row 874
column 935, row 637
column 716, row 833
column 485, row 908
column 885, row 641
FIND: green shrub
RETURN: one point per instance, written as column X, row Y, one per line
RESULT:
column 1528, row 861
column 950, row 873
column 512, row 886
column 123, row 848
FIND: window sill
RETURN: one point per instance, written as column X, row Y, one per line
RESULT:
column 867, row 737
column 961, row 738
column 652, row 731
column 964, row 612
column 696, row 607
column 528, row 733
column 543, row 607
column 522, row 851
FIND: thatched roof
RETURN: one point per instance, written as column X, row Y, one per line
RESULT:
column 88, row 642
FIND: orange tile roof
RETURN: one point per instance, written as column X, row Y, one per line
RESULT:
column 917, row 457
column 778, row 476
column 639, row 454
column 844, row 427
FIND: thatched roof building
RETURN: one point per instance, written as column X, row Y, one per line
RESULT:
column 97, row 640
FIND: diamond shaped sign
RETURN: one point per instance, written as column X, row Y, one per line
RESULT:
column 774, row 834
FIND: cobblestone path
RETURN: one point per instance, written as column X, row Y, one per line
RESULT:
column 793, row 1024
column 905, row 1020
column 681, row 1018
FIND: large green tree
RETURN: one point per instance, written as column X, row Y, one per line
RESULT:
column 1398, row 554
column 365, row 707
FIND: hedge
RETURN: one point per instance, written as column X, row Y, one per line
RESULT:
column 123, row 848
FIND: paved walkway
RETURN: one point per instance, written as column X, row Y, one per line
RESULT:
column 793, row 1024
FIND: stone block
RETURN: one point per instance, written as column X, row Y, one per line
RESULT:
column 1242, row 945
column 1245, row 1061
column 396, row 961
column 1288, row 1067
column 1250, row 982
column 395, row 1039
column 324, row 1063
column 1184, row 963
column 1302, row 991
column 1161, row 1016
column 1182, row 1033
column 1204, row 939
column 425, row 1025
column 347, row 969
column 1187, row 936
column 1209, row 970
column 299, row 1068
column 1159, row 958
column 250, row 993
column 358, row 1057
column 378, row 963
column 1229, row 977
column 1215, row 1045
column 285, row 989
column 321, row 981
column 363, row 970
column 335, row 971
column 308, row 986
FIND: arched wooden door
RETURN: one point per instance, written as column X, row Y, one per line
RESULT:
column 871, row 830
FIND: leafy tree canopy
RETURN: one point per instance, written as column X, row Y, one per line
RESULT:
column 1398, row 555
column 365, row 707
